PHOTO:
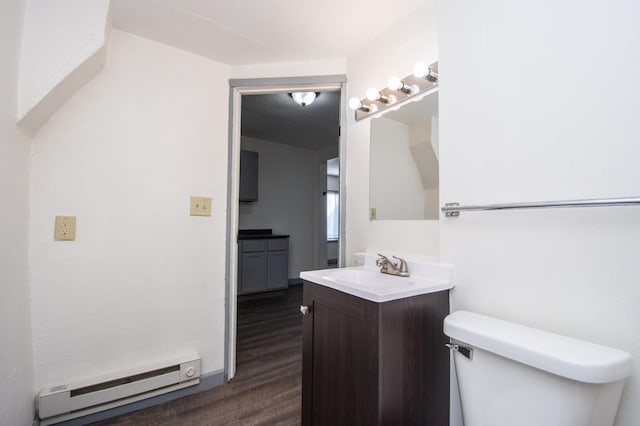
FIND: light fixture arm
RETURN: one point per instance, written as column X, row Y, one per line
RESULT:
column 383, row 99
column 405, row 89
column 432, row 76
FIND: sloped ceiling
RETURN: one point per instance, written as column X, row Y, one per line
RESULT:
column 241, row 32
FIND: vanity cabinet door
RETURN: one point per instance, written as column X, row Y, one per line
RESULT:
column 339, row 359
column 367, row 363
column 414, row 367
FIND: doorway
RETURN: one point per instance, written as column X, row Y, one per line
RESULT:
column 272, row 94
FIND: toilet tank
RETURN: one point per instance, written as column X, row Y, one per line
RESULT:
column 521, row 376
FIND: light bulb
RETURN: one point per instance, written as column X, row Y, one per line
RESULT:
column 420, row 69
column 373, row 94
column 354, row 103
column 394, row 83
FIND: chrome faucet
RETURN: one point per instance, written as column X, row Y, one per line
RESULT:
column 388, row 267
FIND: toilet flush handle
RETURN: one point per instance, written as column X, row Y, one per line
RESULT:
column 465, row 351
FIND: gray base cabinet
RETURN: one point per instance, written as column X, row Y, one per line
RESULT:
column 263, row 265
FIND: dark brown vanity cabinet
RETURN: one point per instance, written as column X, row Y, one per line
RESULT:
column 368, row 363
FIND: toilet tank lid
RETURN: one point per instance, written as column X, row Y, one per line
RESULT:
column 561, row 355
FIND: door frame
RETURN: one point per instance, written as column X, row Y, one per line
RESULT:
column 237, row 88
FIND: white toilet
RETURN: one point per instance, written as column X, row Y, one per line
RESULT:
column 512, row 375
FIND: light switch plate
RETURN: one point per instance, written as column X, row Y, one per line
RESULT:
column 374, row 214
column 65, row 228
column 200, row 206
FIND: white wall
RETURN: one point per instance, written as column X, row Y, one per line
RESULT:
column 16, row 374
column 287, row 189
column 423, row 144
column 393, row 53
column 290, row 69
column 395, row 185
column 63, row 47
column 333, row 248
column 539, row 101
column 143, row 281
column 333, row 183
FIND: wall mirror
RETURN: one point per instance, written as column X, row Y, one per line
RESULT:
column 403, row 178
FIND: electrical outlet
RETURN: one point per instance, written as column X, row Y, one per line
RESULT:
column 373, row 215
column 200, row 206
column 65, row 228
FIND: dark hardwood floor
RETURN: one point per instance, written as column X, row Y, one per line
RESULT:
column 267, row 386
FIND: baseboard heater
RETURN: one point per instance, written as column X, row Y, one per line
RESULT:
column 66, row 402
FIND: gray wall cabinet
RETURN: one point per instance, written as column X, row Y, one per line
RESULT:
column 248, row 176
column 263, row 265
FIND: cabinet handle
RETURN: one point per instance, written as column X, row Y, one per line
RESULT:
column 304, row 310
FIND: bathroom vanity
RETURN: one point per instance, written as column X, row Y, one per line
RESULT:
column 380, row 361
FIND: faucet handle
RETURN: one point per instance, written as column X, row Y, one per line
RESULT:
column 403, row 264
column 382, row 260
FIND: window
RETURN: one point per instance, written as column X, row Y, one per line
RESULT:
column 333, row 214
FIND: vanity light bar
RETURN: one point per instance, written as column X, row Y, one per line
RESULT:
column 424, row 78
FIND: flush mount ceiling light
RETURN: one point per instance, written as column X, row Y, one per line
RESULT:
column 304, row 98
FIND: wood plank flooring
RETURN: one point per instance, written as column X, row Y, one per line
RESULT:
column 267, row 386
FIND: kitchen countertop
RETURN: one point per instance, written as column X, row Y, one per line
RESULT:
column 258, row 234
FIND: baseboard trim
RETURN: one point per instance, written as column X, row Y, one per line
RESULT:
column 207, row 381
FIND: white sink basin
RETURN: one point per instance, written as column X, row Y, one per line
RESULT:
column 369, row 283
column 368, row 279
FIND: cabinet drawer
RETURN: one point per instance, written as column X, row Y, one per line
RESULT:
column 278, row 244
column 252, row 245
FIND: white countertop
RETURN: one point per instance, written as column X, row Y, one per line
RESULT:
column 369, row 283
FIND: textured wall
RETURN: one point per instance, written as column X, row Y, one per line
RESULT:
column 287, row 202
column 524, row 117
column 16, row 374
column 143, row 281
column 393, row 53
